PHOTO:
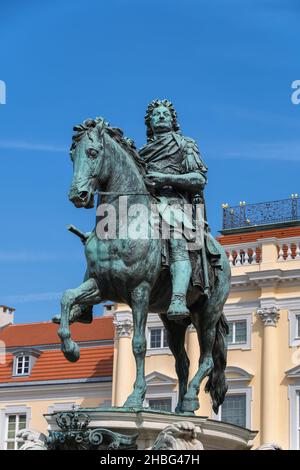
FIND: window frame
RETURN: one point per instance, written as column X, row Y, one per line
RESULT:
column 161, row 336
column 22, row 356
column 8, row 411
column 298, row 326
column 294, row 398
column 231, row 395
column 247, row 345
column 238, row 390
column 234, row 342
column 160, row 398
column 8, row 440
column 163, row 332
column 152, row 395
column 154, row 322
column 294, row 318
column 31, row 353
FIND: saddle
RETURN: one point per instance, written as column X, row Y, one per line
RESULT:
column 197, row 259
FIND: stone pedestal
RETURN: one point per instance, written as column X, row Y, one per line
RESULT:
column 213, row 435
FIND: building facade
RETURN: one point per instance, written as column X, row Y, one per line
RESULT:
column 263, row 310
column 263, row 367
column 35, row 378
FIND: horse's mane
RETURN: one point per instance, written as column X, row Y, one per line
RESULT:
column 115, row 133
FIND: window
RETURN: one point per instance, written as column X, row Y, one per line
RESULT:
column 15, row 422
column 294, row 400
column 294, row 326
column 237, row 332
column 157, row 338
column 163, row 404
column 233, row 409
column 240, row 322
column 298, row 326
column 22, row 365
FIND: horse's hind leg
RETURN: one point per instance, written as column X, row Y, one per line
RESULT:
column 86, row 294
column 176, row 337
column 140, row 305
column 205, row 323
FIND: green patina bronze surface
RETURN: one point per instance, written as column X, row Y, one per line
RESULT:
column 186, row 287
column 74, row 434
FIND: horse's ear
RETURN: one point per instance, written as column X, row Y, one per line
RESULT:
column 100, row 126
column 78, row 128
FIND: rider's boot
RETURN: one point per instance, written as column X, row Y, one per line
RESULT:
column 178, row 308
column 181, row 273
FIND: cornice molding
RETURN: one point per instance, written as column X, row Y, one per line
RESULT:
column 241, row 374
column 271, row 277
column 156, row 378
column 293, row 373
column 241, row 308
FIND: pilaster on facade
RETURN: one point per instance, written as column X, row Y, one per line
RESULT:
column 269, row 315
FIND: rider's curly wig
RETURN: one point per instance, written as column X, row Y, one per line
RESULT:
column 155, row 104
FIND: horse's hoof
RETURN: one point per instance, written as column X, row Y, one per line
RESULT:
column 132, row 402
column 190, row 405
column 72, row 354
column 179, row 410
column 185, row 413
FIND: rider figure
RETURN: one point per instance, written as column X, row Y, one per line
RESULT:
column 177, row 175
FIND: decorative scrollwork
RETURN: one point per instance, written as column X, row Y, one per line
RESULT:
column 264, row 213
column 72, row 420
column 74, row 434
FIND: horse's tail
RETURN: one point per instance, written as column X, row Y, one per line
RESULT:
column 216, row 384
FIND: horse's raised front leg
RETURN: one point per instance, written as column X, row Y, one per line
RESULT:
column 205, row 323
column 78, row 313
column 140, row 305
column 85, row 295
column 176, row 338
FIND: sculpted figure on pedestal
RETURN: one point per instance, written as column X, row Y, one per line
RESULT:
column 186, row 280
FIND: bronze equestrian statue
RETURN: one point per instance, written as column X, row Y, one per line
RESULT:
column 184, row 282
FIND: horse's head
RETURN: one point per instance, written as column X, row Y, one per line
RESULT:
column 87, row 156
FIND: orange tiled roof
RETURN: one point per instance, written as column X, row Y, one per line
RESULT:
column 246, row 237
column 52, row 365
column 34, row 334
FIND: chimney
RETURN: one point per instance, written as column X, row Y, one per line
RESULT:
column 108, row 309
column 6, row 315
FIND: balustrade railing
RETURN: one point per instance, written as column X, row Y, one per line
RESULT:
column 243, row 254
column 289, row 249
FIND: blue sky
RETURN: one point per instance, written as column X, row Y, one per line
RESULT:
column 226, row 65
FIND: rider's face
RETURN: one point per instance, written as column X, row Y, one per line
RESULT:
column 161, row 120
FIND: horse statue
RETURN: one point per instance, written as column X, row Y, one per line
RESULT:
column 129, row 270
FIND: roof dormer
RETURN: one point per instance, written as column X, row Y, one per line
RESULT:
column 24, row 360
